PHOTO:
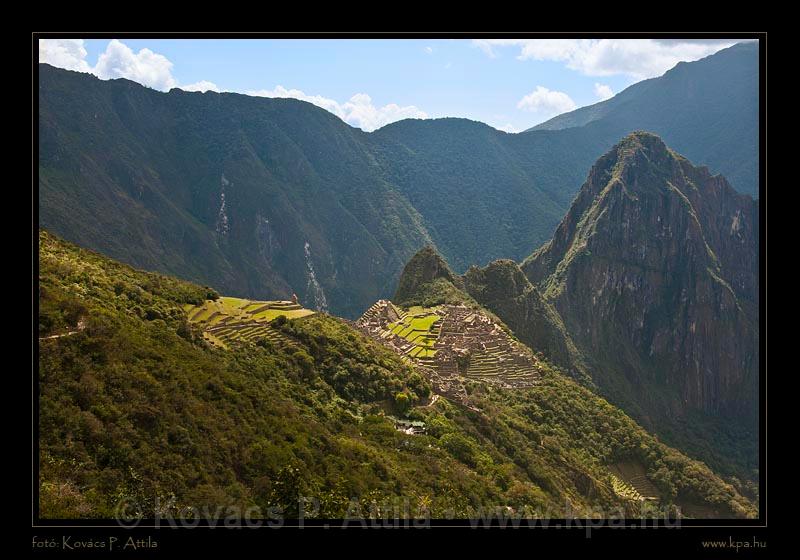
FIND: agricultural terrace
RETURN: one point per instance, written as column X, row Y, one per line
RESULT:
column 230, row 319
column 629, row 480
column 419, row 326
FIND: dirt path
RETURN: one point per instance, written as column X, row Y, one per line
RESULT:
column 81, row 326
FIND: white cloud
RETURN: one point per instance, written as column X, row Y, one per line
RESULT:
column 603, row 91
column 362, row 113
column 64, row 53
column 117, row 61
column 202, row 85
column 279, row 91
column 155, row 70
column 359, row 111
column 546, row 102
column 637, row 58
column 429, row 50
column 486, row 46
column 146, row 67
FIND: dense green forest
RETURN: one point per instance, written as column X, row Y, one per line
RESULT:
column 134, row 407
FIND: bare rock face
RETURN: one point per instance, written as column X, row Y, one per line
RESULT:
column 654, row 271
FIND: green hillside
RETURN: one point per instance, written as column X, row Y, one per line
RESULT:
column 257, row 197
column 136, row 406
column 482, row 194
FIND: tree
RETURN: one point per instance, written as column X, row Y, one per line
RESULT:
column 402, row 402
column 286, row 491
column 459, row 447
column 305, row 362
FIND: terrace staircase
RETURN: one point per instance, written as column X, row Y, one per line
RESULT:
column 229, row 330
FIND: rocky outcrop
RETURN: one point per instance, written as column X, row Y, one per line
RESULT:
column 654, row 271
column 423, row 268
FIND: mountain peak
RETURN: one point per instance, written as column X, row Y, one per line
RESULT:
column 642, row 140
column 626, row 186
column 639, row 147
column 642, row 147
column 424, row 267
column 650, row 232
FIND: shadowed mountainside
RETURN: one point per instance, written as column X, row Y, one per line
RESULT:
column 261, row 197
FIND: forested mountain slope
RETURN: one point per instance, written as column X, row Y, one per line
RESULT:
column 135, row 407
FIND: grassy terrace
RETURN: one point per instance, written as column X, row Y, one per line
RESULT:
column 489, row 364
column 230, row 319
column 420, row 326
column 625, row 490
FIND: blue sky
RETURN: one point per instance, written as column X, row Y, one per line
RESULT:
column 509, row 84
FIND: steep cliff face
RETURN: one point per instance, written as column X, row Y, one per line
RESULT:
column 654, row 271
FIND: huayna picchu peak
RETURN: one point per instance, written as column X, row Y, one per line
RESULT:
column 650, row 232
column 653, row 274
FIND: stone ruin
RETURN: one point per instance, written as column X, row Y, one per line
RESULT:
column 472, row 345
column 469, row 346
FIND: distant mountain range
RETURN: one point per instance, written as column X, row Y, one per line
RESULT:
column 267, row 197
column 706, row 110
